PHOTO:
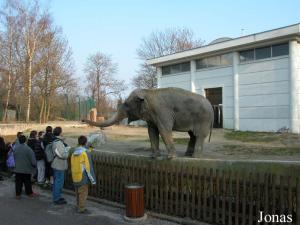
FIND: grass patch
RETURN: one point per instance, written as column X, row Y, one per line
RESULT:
column 182, row 141
column 247, row 136
column 248, row 150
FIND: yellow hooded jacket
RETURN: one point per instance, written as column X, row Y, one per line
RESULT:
column 79, row 163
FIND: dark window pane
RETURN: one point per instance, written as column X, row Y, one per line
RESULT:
column 281, row 49
column 185, row 67
column 226, row 59
column 166, row 70
column 247, row 55
column 201, row 63
column 262, row 53
column 213, row 61
column 175, row 68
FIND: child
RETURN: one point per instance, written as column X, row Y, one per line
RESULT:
column 82, row 173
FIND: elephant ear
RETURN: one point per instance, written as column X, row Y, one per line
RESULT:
column 143, row 102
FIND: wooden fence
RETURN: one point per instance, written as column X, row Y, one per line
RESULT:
column 187, row 190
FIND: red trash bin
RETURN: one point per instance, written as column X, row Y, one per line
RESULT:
column 134, row 201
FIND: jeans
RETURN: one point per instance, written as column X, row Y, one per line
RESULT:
column 40, row 171
column 59, row 176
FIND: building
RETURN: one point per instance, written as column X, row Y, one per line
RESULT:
column 255, row 78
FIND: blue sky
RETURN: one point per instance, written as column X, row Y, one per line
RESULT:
column 116, row 27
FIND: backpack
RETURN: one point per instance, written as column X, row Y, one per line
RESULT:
column 10, row 162
column 49, row 153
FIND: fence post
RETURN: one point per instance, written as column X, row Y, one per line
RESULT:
column 251, row 199
column 217, row 199
column 224, row 191
column 211, row 194
column 237, row 199
column 298, row 201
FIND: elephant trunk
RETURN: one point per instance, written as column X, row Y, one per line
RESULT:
column 111, row 121
column 121, row 114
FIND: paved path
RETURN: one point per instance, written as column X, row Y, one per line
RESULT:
column 40, row 210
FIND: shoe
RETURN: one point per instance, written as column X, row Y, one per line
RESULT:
column 33, row 195
column 85, row 211
column 62, row 199
column 18, row 197
column 60, row 202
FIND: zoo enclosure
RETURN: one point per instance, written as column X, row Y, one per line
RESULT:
column 187, row 189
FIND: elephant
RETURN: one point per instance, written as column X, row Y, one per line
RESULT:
column 165, row 110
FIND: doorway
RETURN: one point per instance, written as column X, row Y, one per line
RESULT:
column 214, row 95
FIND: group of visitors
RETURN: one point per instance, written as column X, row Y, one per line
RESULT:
column 44, row 158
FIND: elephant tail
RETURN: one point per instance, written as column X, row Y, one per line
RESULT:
column 211, row 127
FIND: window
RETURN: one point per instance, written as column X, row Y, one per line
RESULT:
column 201, row 63
column 185, row 67
column 176, row 68
column 280, row 49
column 214, row 61
column 247, row 55
column 262, row 53
column 226, row 59
column 166, row 70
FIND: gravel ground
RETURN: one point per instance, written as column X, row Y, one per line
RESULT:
column 40, row 210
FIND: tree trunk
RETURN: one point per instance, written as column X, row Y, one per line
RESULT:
column 42, row 109
column 48, row 111
column 28, row 88
column 7, row 97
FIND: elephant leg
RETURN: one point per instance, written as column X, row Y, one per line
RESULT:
column 154, row 140
column 191, row 144
column 198, row 146
column 168, row 140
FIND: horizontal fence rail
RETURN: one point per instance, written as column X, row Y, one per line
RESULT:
column 212, row 195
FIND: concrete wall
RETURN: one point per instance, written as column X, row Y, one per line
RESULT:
column 13, row 128
column 181, row 80
column 264, row 94
column 218, row 77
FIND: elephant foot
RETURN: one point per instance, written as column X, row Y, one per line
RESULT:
column 189, row 154
column 155, row 155
column 196, row 155
column 171, row 156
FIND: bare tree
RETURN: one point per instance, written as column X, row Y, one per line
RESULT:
column 160, row 43
column 9, row 39
column 38, row 61
column 100, row 70
column 55, row 70
column 32, row 22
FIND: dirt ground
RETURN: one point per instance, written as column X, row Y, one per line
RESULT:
column 224, row 144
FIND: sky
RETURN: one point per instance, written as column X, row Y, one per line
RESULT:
column 117, row 27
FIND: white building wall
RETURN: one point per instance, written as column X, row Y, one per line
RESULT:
column 264, row 94
column 297, row 71
column 218, row 77
column 181, row 80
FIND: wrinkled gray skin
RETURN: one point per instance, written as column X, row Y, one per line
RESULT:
column 164, row 110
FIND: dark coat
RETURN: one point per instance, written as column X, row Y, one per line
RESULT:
column 25, row 161
column 36, row 146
